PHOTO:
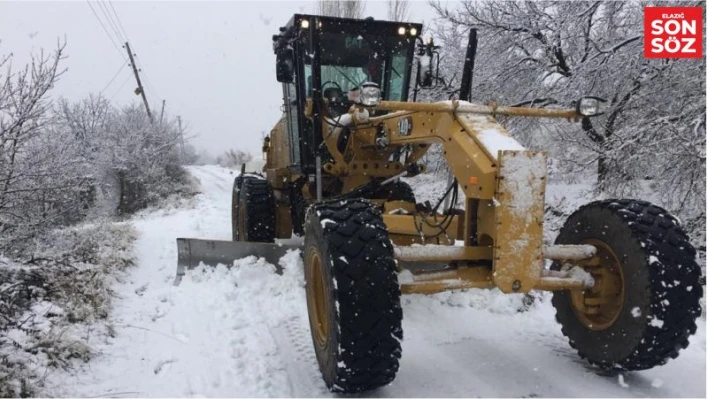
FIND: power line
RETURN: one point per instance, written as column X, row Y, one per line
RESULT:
column 149, row 84
column 120, row 88
column 120, row 24
column 114, row 76
column 136, row 61
column 127, row 39
column 106, row 30
column 111, row 23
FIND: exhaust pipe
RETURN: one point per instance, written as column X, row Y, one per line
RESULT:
column 468, row 68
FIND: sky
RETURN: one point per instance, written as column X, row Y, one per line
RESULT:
column 211, row 61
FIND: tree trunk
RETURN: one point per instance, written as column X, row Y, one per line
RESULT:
column 602, row 167
column 602, row 171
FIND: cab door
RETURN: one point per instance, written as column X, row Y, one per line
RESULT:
column 291, row 121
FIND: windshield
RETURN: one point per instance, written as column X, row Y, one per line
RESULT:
column 348, row 60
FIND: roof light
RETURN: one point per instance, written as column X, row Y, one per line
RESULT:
column 401, row 31
column 304, row 24
column 414, row 31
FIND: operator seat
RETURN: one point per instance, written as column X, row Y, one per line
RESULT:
column 336, row 100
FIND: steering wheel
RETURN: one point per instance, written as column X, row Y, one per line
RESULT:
column 335, row 84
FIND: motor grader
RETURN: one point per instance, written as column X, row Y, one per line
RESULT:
column 623, row 274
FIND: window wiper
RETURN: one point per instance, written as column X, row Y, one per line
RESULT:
column 395, row 71
column 345, row 76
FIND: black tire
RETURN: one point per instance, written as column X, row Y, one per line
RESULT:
column 661, row 285
column 238, row 181
column 358, row 346
column 255, row 211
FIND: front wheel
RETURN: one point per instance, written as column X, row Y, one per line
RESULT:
column 254, row 218
column 353, row 296
column 645, row 300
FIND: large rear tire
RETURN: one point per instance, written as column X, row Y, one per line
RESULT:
column 645, row 301
column 238, row 181
column 353, row 296
column 255, row 211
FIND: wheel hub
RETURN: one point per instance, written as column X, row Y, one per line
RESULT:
column 317, row 298
column 598, row 308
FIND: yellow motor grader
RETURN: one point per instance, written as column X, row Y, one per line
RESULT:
column 624, row 277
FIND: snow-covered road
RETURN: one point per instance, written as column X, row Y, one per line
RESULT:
column 244, row 332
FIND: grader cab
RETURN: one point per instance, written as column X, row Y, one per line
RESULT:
column 624, row 277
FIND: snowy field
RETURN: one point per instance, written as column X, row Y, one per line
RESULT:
column 243, row 332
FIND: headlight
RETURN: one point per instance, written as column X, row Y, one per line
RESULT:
column 591, row 106
column 369, row 94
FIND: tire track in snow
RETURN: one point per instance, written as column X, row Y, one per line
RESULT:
column 293, row 337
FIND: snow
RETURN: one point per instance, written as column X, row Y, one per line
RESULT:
column 496, row 141
column 324, row 222
column 620, row 379
column 493, row 139
column 569, row 251
column 579, row 273
column 243, row 332
column 656, row 322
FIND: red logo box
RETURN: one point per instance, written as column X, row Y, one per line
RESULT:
column 673, row 32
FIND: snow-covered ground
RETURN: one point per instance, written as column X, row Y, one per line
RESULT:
column 243, row 332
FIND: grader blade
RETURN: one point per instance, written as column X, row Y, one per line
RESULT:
column 191, row 252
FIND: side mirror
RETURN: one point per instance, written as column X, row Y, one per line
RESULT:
column 425, row 70
column 590, row 106
column 427, row 55
column 284, row 66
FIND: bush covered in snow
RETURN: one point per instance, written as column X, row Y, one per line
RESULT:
column 52, row 300
column 63, row 162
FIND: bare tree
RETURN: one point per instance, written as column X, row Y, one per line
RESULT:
column 342, row 8
column 398, row 10
column 234, row 158
column 28, row 171
column 550, row 53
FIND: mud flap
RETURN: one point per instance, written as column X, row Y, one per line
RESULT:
column 191, row 252
column 520, row 197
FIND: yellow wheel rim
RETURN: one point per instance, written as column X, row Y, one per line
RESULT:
column 599, row 307
column 317, row 298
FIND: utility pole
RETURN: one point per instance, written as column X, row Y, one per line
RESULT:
column 162, row 111
column 140, row 89
column 181, row 136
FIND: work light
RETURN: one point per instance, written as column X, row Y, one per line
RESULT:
column 591, row 106
column 370, row 94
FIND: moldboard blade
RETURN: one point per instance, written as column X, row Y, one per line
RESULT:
column 191, row 252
